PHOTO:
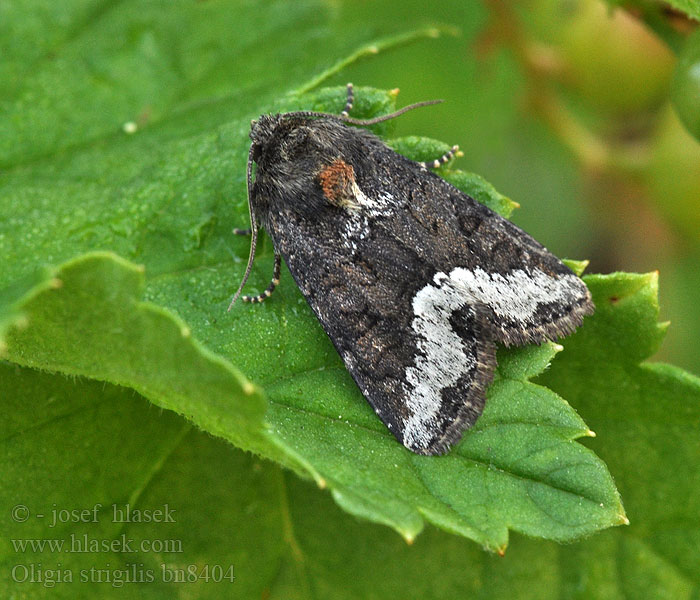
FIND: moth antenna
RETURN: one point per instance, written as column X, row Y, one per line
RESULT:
column 253, row 229
column 390, row 115
column 349, row 101
column 346, row 119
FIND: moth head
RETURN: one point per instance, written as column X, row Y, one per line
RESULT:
column 279, row 137
column 261, row 129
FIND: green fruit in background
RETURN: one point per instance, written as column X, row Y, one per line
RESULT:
column 685, row 89
column 610, row 58
column 674, row 175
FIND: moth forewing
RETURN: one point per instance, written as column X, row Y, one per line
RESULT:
column 413, row 280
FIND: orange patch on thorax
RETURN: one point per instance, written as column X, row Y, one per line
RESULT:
column 337, row 181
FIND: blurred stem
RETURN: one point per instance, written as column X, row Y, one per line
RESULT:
column 588, row 148
column 542, row 65
column 591, row 150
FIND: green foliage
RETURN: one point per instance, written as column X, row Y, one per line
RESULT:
column 76, row 444
column 123, row 140
column 317, row 421
column 305, row 546
column 646, row 419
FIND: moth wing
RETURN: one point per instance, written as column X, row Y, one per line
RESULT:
column 414, row 281
column 423, row 363
column 528, row 293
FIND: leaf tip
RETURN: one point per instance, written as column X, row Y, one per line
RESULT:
column 653, row 280
column 321, row 483
column 55, row 283
column 623, row 519
column 577, row 266
column 590, row 433
column 408, row 537
column 248, row 388
column 185, row 331
column 501, row 550
column 394, row 93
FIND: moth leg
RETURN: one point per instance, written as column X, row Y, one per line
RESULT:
column 349, row 101
column 434, row 164
column 270, row 288
column 237, row 231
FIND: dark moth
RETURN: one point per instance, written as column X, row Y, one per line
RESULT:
column 413, row 280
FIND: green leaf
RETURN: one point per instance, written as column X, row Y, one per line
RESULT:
column 123, row 128
column 646, row 418
column 88, row 320
column 520, row 452
column 308, row 547
column 77, row 73
column 81, row 191
column 70, row 446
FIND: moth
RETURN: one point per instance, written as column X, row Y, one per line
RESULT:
column 413, row 280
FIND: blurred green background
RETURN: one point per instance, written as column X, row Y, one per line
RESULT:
column 564, row 105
